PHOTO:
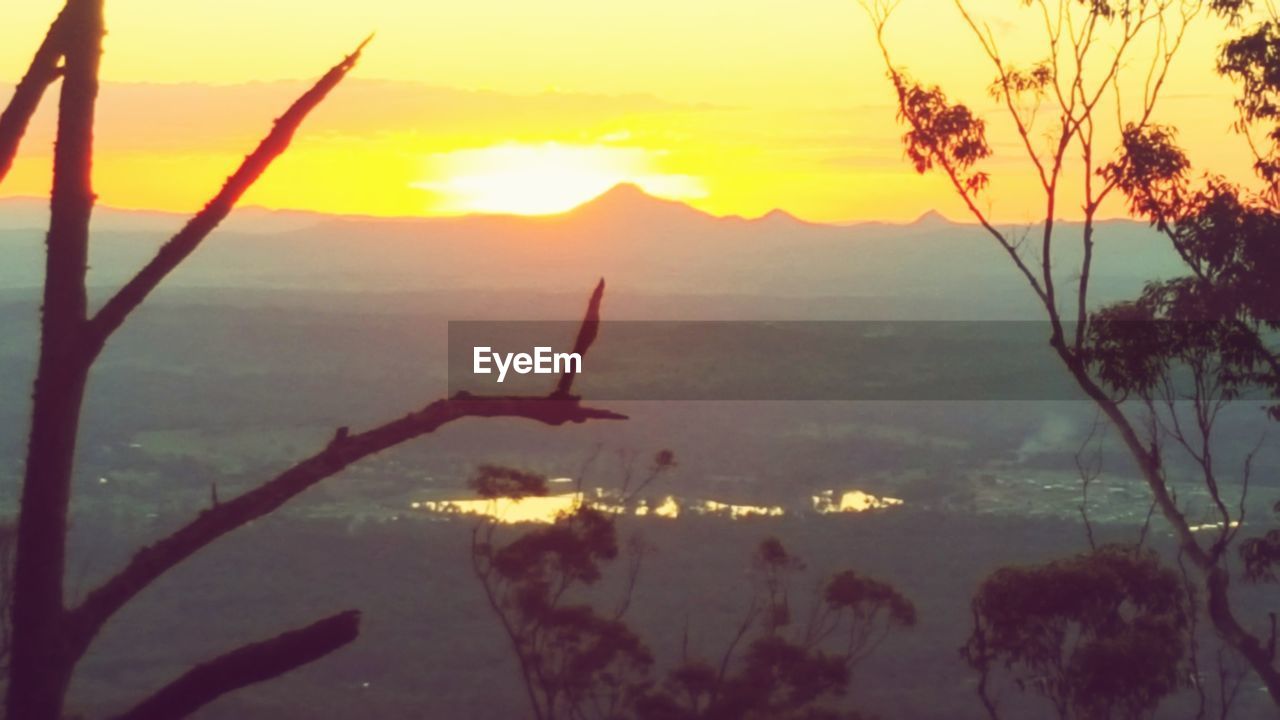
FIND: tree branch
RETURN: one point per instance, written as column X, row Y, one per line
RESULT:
column 26, row 95
column 158, row 558
column 114, row 312
column 152, row 561
column 247, row 665
column 586, row 335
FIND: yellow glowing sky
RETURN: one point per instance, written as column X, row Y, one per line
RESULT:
column 734, row 106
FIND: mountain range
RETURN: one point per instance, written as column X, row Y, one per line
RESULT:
column 647, row 247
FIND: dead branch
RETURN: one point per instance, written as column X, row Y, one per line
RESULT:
column 172, row 253
column 245, row 666
column 1089, row 471
column 17, row 114
column 587, row 333
column 154, row 560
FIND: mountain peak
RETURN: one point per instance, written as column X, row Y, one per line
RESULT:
column 623, row 197
column 932, row 218
column 624, row 191
column 778, row 216
column 628, row 200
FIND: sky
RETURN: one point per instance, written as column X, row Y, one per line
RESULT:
column 733, row 106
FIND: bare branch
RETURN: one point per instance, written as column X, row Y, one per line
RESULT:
column 636, row 550
column 586, row 335
column 987, row 40
column 247, row 665
column 879, row 12
column 748, row 619
column 344, row 449
column 172, row 253
column 154, row 560
column 483, row 569
column 17, row 114
column 1089, row 470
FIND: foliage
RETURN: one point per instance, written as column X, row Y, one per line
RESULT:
column 1214, row 320
column 1100, row 633
column 1253, row 61
column 788, row 670
column 577, row 662
column 495, row 481
column 1260, row 555
column 941, row 133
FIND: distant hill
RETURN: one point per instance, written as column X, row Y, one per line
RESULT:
column 645, row 246
column 25, row 213
column 931, row 220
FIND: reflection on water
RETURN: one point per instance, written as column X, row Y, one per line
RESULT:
column 668, row 508
column 1213, row 526
column 505, row 510
column 547, row 508
column 737, row 511
column 851, row 501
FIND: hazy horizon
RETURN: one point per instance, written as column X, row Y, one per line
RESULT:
column 630, row 188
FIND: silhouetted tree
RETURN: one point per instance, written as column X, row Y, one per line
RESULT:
column 1161, row 367
column 577, row 663
column 788, row 669
column 574, row 662
column 1104, row 634
column 1261, row 555
column 50, row 638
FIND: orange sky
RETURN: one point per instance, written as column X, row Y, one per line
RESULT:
column 735, row 106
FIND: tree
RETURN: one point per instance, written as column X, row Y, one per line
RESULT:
column 1160, row 368
column 49, row 638
column 574, row 661
column 790, row 670
column 577, row 662
column 1099, row 635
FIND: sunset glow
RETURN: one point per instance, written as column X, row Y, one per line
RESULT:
column 543, row 179
column 497, row 107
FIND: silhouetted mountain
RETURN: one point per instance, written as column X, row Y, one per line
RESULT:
column 931, row 220
column 779, row 218
column 644, row 245
column 628, row 202
column 28, row 213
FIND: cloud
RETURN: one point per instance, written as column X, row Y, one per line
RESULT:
column 198, row 118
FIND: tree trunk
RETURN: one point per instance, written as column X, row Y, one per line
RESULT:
column 1217, row 579
column 40, row 664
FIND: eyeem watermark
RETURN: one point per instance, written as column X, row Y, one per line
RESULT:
column 797, row 360
column 542, row 362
